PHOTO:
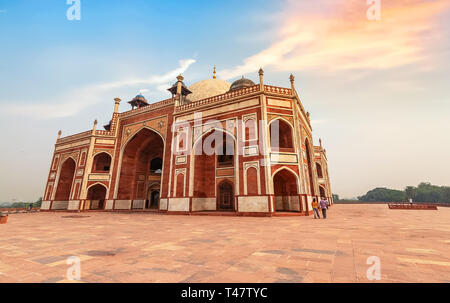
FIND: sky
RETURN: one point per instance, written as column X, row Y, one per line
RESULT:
column 377, row 85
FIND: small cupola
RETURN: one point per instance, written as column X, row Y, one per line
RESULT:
column 241, row 83
column 138, row 101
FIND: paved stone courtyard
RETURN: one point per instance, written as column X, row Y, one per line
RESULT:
column 413, row 246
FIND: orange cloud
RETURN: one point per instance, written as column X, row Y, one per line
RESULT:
column 339, row 36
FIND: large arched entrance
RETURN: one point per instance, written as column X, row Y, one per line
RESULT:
column 66, row 176
column 142, row 165
column 214, row 161
column 95, row 197
column 286, row 191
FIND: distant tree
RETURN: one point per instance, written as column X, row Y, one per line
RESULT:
column 410, row 192
column 445, row 194
column 382, row 194
column 425, row 192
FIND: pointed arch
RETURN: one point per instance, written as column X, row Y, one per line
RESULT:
column 204, row 163
column 281, row 134
column 96, row 196
column 66, row 176
column 134, row 163
column 225, row 195
column 323, row 192
column 101, row 162
column 286, row 190
column 319, row 170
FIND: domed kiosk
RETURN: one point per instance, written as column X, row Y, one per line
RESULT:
column 241, row 83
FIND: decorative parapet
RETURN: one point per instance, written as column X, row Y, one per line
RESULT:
column 149, row 107
column 278, row 90
column 218, row 98
column 82, row 135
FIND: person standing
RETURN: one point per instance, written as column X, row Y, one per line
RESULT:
column 315, row 206
column 324, row 206
column 31, row 207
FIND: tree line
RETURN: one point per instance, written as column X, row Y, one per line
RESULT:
column 425, row 192
column 36, row 204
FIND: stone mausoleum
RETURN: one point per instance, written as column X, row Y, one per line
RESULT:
column 213, row 147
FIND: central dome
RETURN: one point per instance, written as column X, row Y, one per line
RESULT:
column 207, row 88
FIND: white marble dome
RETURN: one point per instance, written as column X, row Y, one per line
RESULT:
column 207, row 88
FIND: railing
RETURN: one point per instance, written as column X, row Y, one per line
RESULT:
column 412, row 206
column 17, row 210
column 74, row 137
column 147, row 108
column 218, row 98
column 277, row 90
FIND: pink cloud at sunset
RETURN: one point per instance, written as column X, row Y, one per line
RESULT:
column 341, row 37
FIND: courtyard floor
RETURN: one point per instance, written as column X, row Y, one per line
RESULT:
column 413, row 246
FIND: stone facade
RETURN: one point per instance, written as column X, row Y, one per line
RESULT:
column 152, row 157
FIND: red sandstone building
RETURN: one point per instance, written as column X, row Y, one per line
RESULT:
column 156, row 157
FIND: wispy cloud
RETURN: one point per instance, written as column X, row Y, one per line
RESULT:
column 341, row 38
column 76, row 101
column 2, row 11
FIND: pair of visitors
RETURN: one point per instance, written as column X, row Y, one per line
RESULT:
column 315, row 206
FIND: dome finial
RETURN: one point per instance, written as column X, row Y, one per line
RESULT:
column 214, row 72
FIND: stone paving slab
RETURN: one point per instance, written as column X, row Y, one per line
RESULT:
column 413, row 246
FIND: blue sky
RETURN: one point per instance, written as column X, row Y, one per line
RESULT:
column 377, row 90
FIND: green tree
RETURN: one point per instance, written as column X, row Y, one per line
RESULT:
column 410, row 192
column 382, row 194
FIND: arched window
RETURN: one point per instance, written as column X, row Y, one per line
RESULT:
column 280, row 135
column 250, row 129
column 319, row 170
column 102, row 163
column 156, row 166
column 225, row 151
